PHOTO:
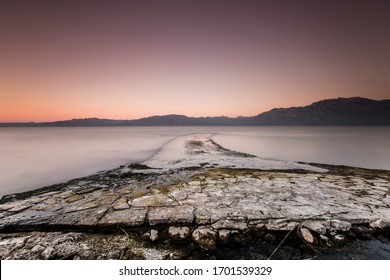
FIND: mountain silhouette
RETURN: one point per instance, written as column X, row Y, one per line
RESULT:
column 338, row 112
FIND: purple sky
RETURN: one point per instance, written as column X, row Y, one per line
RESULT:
column 132, row 59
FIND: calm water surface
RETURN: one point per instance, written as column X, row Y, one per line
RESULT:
column 35, row 157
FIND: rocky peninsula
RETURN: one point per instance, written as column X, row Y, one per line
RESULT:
column 197, row 200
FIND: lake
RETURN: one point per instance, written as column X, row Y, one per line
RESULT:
column 35, row 157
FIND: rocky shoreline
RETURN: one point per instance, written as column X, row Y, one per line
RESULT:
column 195, row 199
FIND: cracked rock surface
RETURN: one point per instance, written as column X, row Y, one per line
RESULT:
column 204, row 195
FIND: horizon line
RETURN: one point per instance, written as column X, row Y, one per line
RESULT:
column 174, row 114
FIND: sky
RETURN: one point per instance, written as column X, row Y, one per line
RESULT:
column 131, row 59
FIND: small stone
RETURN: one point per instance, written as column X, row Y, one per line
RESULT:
column 179, row 233
column 326, row 241
column 306, row 235
column 224, row 235
column 146, row 236
column 338, row 239
column 120, row 205
column 269, row 237
column 47, row 253
column 205, row 238
column 153, row 235
column 242, row 238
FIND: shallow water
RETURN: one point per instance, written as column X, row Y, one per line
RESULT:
column 261, row 250
column 367, row 147
column 35, row 157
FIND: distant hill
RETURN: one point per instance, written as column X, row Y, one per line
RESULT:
column 340, row 111
column 73, row 122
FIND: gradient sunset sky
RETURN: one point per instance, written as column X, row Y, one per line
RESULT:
column 130, row 59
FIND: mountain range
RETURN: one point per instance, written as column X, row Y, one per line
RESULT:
column 340, row 111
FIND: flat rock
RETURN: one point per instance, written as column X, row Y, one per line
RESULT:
column 230, row 224
column 153, row 200
column 129, row 217
column 182, row 214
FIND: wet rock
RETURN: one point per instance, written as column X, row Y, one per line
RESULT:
column 364, row 231
column 325, row 241
column 179, row 233
column 338, row 239
column 146, row 236
column 306, row 235
column 269, row 237
column 205, row 238
column 242, row 238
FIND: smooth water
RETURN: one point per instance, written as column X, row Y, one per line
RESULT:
column 35, row 157
column 367, row 147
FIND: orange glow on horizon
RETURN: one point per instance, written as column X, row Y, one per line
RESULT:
column 131, row 60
